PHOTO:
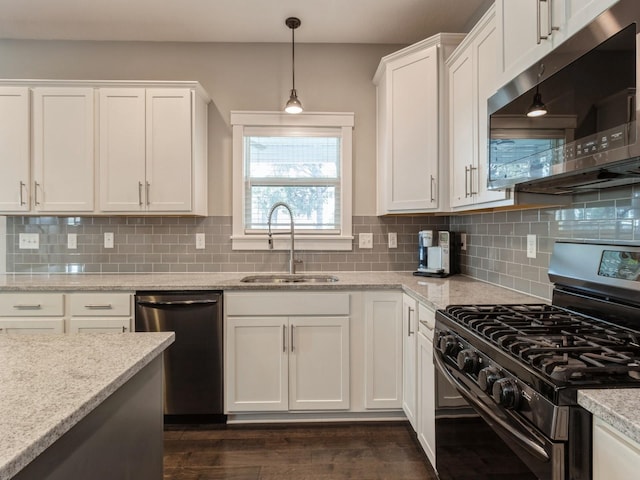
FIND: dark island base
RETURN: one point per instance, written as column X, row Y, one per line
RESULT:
column 122, row 439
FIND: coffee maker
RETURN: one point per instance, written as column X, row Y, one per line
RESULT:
column 439, row 260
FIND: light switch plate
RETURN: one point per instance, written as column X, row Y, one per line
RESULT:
column 29, row 241
column 72, row 241
column 532, row 246
column 365, row 240
column 200, row 242
column 463, row 242
column 393, row 240
column 108, row 239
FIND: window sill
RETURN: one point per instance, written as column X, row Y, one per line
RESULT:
column 283, row 242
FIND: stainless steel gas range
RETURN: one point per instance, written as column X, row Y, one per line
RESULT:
column 520, row 367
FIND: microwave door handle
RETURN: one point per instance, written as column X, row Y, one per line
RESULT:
column 485, row 412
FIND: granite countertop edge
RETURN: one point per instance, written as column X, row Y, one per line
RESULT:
column 67, row 420
column 617, row 407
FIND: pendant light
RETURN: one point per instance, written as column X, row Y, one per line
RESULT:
column 537, row 108
column 293, row 105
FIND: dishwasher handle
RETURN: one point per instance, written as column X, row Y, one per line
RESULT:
column 177, row 302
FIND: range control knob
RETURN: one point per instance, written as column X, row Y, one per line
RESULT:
column 447, row 344
column 506, row 392
column 487, row 377
column 468, row 360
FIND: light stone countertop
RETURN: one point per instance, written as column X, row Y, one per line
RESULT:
column 618, row 407
column 49, row 382
column 435, row 292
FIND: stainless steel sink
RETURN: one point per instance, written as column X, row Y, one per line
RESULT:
column 287, row 278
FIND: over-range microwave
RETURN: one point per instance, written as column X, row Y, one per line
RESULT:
column 589, row 137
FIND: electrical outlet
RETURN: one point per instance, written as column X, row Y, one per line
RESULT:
column 200, row 243
column 72, row 241
column 393, row 240
column 365, row 240
column 463, row 242
column 108, row 239
column 29, row 241
column 532, row 246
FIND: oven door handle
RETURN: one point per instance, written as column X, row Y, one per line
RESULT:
column 531, row 446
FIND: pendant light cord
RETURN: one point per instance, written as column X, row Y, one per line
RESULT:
column 293, row 57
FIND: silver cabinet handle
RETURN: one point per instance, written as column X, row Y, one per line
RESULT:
column 147, row 192
column 292, row 330
column 471, row 169
column 35, row 193
column 140, row 193
column 36, row 306
column 432, row 181
column 106, row 306
column 22, row 185
column 284, row 339
column 466, row 181
column 539, row 23
column 552, row 28
column 409, row 332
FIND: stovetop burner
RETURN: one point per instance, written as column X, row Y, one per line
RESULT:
column 560, row 344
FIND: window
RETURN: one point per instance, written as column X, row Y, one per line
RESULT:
column 303, row 160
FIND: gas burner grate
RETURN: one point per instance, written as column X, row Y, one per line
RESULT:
column 561, row 344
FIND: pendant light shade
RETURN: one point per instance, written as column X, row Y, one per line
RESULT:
column 293, row 104
column 537, row 108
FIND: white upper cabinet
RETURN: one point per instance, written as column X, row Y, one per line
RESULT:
column 15, row 181
column 158, row 135
column 472, row 80
column 529, row 29
column 412, row 109
column 63, row 142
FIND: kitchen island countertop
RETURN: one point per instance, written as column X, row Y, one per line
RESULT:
column 617, row 407
column 50, row 382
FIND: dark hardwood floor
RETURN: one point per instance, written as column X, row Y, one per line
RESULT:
column 336, row 451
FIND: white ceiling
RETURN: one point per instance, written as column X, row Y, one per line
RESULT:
column 323, row 21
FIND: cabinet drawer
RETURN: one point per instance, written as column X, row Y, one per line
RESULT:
column 100, row 304
column 31, row 304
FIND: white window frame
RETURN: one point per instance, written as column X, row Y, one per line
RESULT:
column 240, row 240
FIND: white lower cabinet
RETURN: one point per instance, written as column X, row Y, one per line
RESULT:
column 409, row 358
column 426, row 424
column 44, row 312
column 615, row 455
column 100, row 313
column 383, row 350
column 286, row 352
column 31, row 313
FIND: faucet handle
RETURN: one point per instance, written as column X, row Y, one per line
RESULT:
column 270, row 242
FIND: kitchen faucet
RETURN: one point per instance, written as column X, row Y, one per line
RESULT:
column 292, row 260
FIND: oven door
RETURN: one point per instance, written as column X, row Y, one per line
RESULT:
column 493, row 444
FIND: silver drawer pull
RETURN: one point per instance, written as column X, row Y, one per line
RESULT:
column 97, row 306
column 28, row 307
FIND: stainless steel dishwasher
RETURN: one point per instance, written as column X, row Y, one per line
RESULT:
column 193, row 364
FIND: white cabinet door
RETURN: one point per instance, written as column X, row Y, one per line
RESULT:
column 529, row 29
column 409, row 354
column 169, row 150
column 461, row 127
column 63, row 149
column 426, row 393
column 485, row 48
column 414, row 125
column 615, row 455
column 319, row 363
column 15, row 179
column 383, row 350
column 100, row 325
column 122, row 149
column 256, row 358
column 31, row 325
